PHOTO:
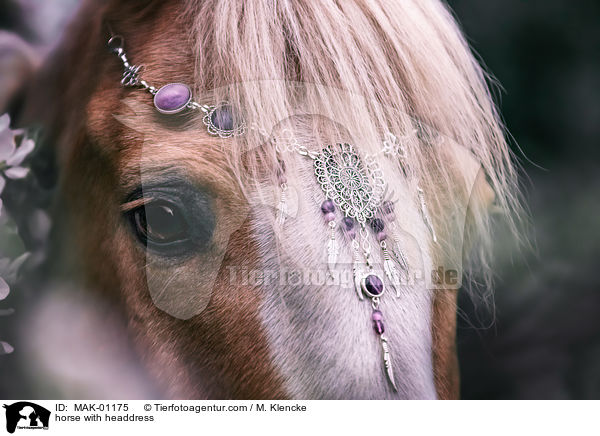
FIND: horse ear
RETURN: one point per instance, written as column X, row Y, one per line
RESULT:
column 18, row 65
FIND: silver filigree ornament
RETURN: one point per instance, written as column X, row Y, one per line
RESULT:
column 355, row 185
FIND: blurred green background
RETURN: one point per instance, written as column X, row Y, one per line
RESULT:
column 541, row 338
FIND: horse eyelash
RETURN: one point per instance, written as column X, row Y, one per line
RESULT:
column 134, row 204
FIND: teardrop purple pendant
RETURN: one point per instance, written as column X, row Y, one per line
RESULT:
column 377, row 318
column 172, row 98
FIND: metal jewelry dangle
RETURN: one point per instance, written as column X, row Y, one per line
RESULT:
column 393, row 147
column 425, row 213
column 356, row 187
column 282, row 208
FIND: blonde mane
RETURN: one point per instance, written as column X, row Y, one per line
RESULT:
column 369, row 66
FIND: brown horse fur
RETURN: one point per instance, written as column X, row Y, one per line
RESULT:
column 224, row 351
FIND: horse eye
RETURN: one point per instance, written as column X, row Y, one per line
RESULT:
column 173, row 220
column 160, row 224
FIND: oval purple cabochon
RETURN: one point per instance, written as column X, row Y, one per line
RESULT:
column 374, row 284
column 172, row 98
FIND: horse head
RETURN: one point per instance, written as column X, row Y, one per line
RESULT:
column 178, row 224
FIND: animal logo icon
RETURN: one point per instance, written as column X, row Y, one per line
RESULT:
column 26, row 415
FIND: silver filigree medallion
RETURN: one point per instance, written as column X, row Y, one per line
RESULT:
column 355, row 185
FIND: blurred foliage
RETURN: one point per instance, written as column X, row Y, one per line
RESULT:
column 11, row 245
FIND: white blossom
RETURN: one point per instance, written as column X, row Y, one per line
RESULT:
column 11, row 160
column 5, row 348
column 11, row 156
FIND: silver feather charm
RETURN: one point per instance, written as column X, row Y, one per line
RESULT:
column 333, row 249
column 282, row 208
column 396, row 250
column 425, row 213
column 400, row 257
column 387, row 361
column 390, row 268
column 357, row 269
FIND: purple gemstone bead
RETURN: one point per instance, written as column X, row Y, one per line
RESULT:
column 348, row 223
column 330, row 216
column 378, row 327
column 381, row 236
column 327, row 207
column 172, row 98
column 351, row 233
column 377, row 225
column 281, row 178
column 222, row 118
column 387, row 207
column 373, row 285
column 281, row 165
column 377, row 315
column 377, row 318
